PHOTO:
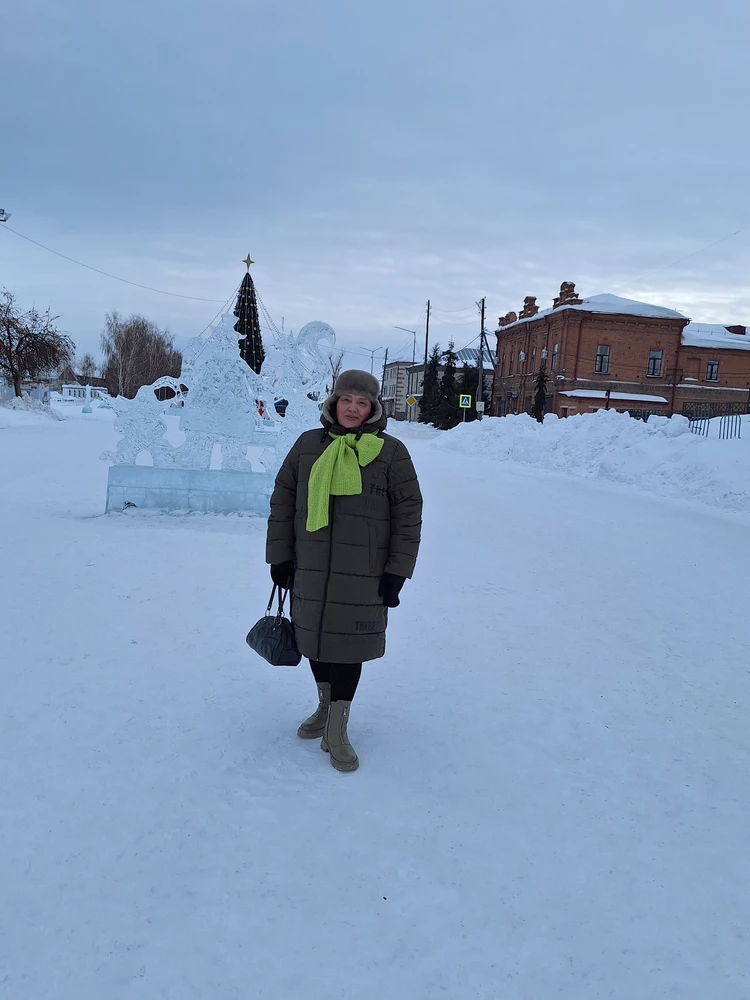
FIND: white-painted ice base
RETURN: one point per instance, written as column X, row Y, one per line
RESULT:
column 209, row 490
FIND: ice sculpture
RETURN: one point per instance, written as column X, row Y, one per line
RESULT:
column 296, row 369
column 221, row 405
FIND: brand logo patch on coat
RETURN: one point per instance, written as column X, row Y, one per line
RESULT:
column 368, row 626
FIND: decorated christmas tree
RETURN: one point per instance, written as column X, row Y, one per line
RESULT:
column 248, row 324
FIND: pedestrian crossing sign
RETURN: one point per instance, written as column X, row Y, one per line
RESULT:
column 464, row 402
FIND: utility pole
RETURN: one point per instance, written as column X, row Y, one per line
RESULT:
column 410, row 376
column 385, row 365
column 491, row 354
column 427, row 336
column 426, row 346
column 480, row 379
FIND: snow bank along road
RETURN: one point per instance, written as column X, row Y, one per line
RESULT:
column 553, row 798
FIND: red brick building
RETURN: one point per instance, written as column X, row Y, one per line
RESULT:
column 606, row 351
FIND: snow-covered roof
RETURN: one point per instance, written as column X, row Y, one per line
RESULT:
column 625, row 307
column 470, row 356
column 612, row 305
column 598, row 394
column 713, row 335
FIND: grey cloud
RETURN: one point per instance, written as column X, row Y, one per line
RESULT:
column 373, row 155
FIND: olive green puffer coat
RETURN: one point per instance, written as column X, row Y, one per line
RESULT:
column 337, row 612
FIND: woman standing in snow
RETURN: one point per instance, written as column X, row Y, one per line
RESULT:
column 343, row 535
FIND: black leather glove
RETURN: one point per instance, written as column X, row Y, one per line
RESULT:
column 282, row 574
column 390, row 588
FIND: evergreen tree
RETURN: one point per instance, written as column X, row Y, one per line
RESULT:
column 248, row 324
column 541, row 384
column 468, row 383
column 447, row 409
column 431, row 388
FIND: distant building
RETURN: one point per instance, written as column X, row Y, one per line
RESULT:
column 68, row 377
column 467, row 356
column 76, row 392
column 394, row 389
column 615, row 353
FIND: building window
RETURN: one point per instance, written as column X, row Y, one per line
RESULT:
column 532, row 362
column 555, row 351
column 655, row 357
column 521, row 359
column 502, row 367
column 602, row 360
column 712, row 371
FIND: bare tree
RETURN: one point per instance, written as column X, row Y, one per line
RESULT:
column 31, row 346
column 136, row 352
column 335, row 359
column 88, row 367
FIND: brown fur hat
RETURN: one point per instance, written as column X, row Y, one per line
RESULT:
column 358, row 383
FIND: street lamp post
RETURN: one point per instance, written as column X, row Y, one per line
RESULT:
column 414, row 342
column 372, row 352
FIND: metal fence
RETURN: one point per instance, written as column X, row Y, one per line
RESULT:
column 729, row 426
column 701, row 411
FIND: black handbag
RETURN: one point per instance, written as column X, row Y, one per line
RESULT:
column 273, row 636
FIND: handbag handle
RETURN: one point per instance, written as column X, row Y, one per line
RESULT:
column 282, row 597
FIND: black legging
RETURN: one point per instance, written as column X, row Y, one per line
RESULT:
column 343, row 678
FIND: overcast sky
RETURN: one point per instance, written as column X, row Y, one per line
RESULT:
column 371, row 155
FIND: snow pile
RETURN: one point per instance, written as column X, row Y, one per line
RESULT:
column 11, row 410
column 412, row 429
column 660, row 456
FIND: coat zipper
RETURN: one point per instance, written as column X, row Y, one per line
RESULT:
column 328, row 576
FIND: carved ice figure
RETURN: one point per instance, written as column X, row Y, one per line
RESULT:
column 221, row 399
column 221, row 404
column 142, row 424
column 295, row 368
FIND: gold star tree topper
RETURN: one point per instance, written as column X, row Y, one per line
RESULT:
column 248, row 261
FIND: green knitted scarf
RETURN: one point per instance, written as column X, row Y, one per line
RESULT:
column 336, row 473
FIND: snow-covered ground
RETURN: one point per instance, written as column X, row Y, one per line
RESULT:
column 661, row 456
column 553, row 800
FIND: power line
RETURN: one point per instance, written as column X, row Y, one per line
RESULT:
column 401, row 350
column 462, row 309
column 126, row 281
column 674, row 263
column 439, row 321
column 470, row 343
